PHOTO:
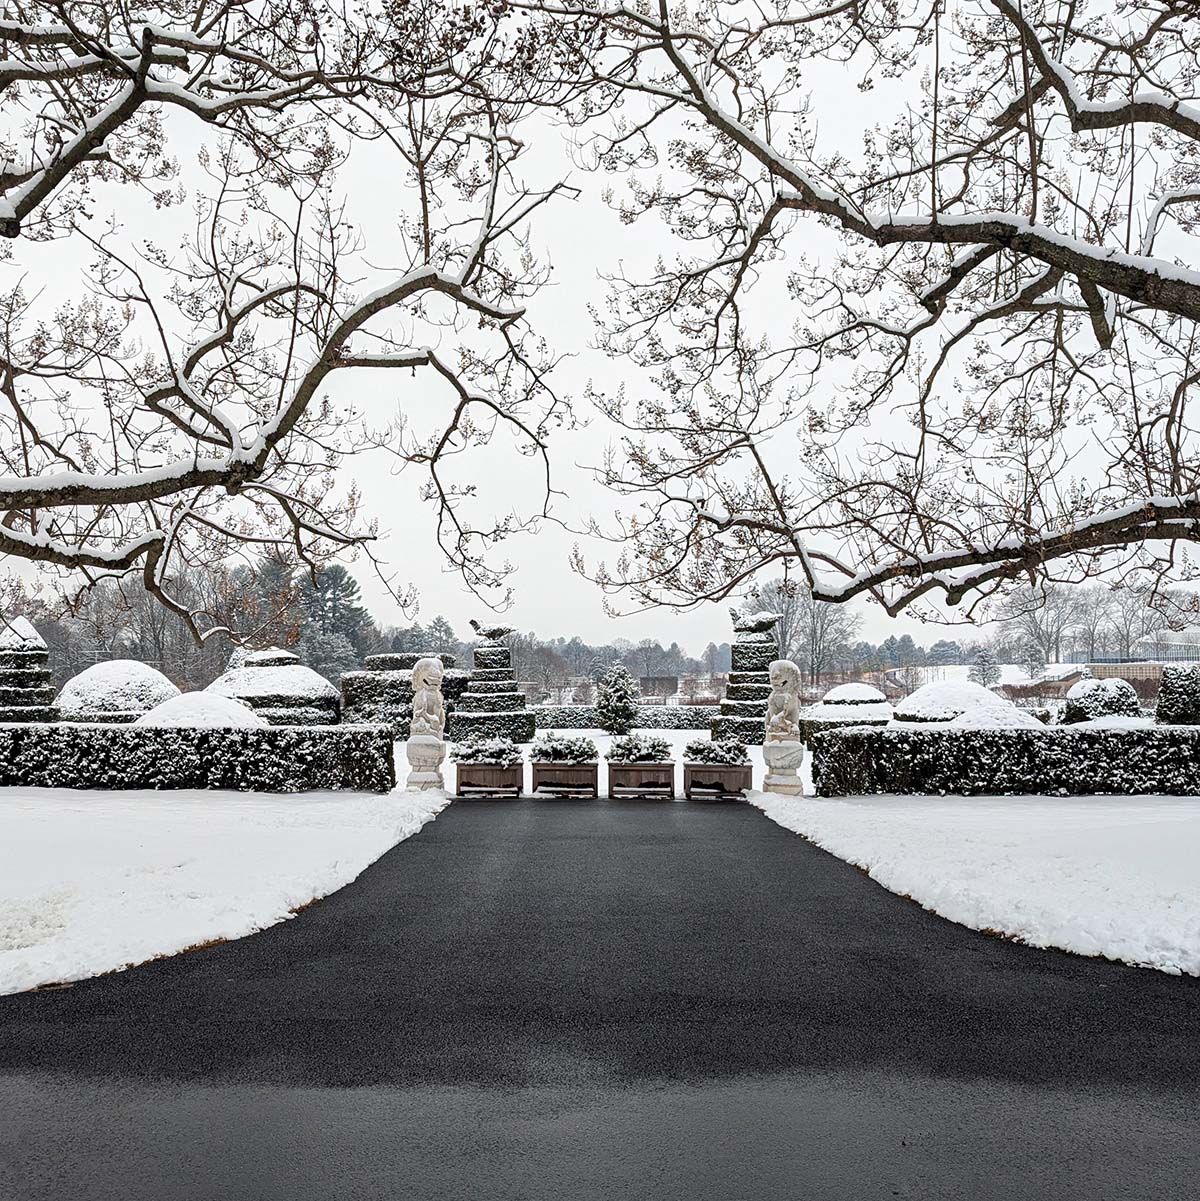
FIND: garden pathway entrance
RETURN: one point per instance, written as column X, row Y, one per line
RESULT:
column 605, row 999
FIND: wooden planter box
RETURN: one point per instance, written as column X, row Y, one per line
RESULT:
column 487, row 779
column 566, row 779
column 716, row 781
column 641, row 780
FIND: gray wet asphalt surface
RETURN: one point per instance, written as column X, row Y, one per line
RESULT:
column 606, row 999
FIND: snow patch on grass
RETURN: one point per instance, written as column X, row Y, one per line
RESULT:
column 96, row 881
column 1109, row 876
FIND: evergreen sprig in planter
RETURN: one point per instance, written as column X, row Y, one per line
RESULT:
column 565, row 767
column 641, row 766
column 487, row 767
column 717, row 769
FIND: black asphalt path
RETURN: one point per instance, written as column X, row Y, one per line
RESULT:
column 606, row 1000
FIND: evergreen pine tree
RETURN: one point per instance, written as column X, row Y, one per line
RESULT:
column 984, row 670
column 617, row 701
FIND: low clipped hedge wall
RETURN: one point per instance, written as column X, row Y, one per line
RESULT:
column 275, row 759
column 1057, row 761
column 650, row 717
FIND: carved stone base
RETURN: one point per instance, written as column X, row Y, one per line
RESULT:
column 783, row 760
column 425, row 755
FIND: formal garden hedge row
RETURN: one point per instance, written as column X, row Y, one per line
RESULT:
column 275, row 759
column 1056, row 761
column 650, row 717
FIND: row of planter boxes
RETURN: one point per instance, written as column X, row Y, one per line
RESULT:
column 708, row 781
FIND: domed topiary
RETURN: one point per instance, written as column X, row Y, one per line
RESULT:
column 116, row 690
column 1089, row 699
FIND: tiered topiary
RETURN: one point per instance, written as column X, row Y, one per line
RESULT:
column 26, row 693
column 1179, row 696
column 382, row 691
column 277, row 686
column 845, row 705
column 491, row 706
column 744, row 708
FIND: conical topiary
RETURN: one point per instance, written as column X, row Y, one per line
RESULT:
column 617, row 701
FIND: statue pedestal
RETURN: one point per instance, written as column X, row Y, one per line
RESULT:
column 425, row 755
column 783, row 761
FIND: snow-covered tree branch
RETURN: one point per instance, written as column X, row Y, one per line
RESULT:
column 187, row 399
column 949, row 247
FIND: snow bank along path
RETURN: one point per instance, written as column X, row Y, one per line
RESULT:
column 94, row 881
column 1110, row 876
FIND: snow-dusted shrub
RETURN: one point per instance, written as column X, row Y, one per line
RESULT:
column 1179, row 696
column 197, row 710
column 1089, row 699
column 494, row 752
column 553, row 748
column 116, row 690
column 639, row 748
column 944, row 700
column 270, row 759
column 724, row 751
column 1075, row 760
column 514, row 725
column 617, row 701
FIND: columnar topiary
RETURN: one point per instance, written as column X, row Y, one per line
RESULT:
column 1179, row 696
column 617, row 701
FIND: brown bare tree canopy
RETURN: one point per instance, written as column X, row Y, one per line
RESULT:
column 929, row 320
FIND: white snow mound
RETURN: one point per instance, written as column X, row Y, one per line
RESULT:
column 852, row 694
column 193, row 710
column 292, row 680
column 1007, row 717
column 946, row 699
column 115, row 686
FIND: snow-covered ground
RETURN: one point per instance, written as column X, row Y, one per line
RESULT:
column 1110, row 876
column 92, row 881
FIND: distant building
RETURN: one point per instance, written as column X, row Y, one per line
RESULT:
column 1170, row 646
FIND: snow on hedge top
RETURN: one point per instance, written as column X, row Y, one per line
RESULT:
column 877, row 711
column 999, row 717
column 1115, row 721
column 294, row 680
column 1082, row 687
column 946, row 699
column 195, row 709
column 852, row 694
column 19, row 635
column 114, row 686
column 273, row 656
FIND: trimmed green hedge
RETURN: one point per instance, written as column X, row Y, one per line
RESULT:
column 1057, row 761
column 274, row 759
column 650, row 717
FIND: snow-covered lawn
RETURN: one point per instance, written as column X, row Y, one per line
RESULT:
column 1111, row 876
column 92, row 881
